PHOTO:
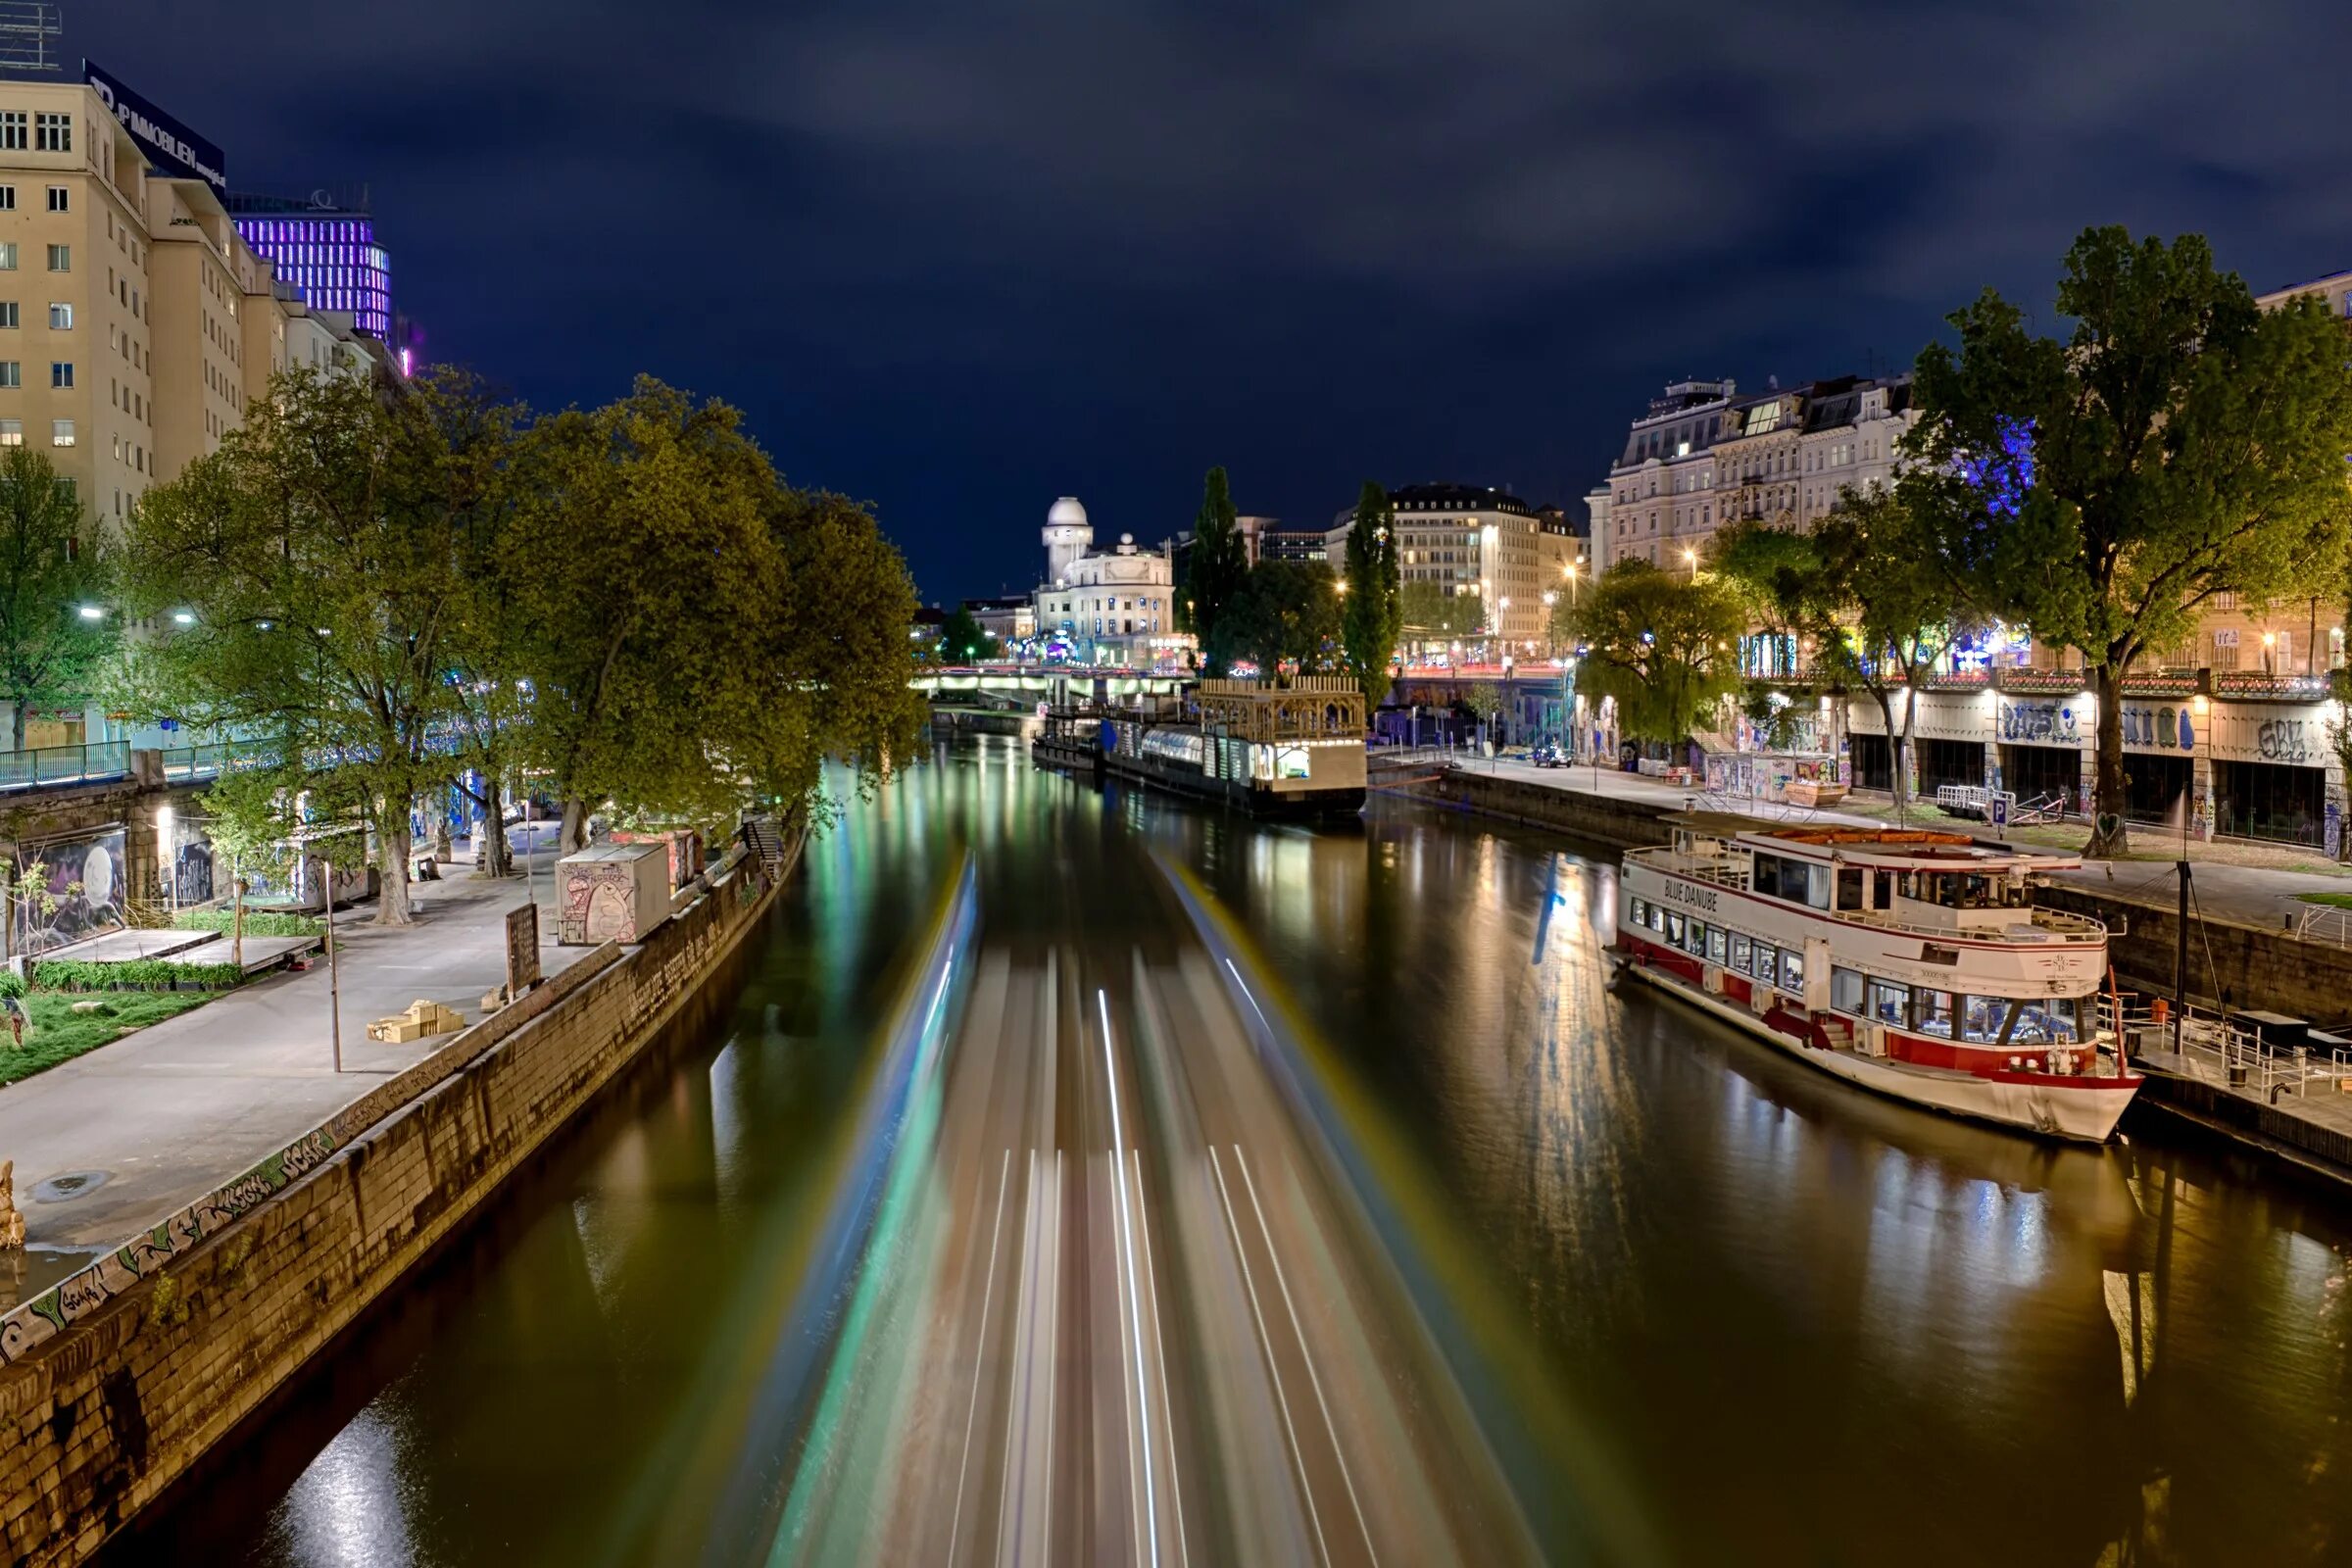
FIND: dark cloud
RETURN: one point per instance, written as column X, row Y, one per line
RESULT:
column 962, row 259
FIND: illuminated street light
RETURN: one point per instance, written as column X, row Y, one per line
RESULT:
column 91, row 612
column 184, row 618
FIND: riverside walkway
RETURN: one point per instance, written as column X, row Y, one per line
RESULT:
column 139, row 1128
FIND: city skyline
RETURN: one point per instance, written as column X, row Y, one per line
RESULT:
column 1097, row 256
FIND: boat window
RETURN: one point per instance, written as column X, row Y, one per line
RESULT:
column 1764, row 961
column 1792, row 970
column 1890, row 1003
column 1766, row 877
column 1716, row 944
column 1641, row 912
column 1983, row 1017
column 1816, row 883
column 1674, row 928
column 1935, row 1015
column 1658, row 917
column 1885, row 898
column 1739, row 951
column 1849, row 887
column 1845, row 989
column 1694, row 939
column 2046, row 1020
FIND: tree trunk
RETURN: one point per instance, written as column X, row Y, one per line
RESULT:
column 441, row 847
column 392, row 846
column 491, row 855
column 574, row 835
column 1894, row 748
column 1905, row 757
column 2108, row 789
column 16, row 726
column 236, row 914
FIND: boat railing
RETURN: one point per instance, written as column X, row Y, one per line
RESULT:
column 2220, row 1050
column 2071, row 928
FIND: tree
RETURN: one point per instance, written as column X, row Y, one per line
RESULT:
column 2102, row 489
column 1288, row 613
column 651, row 569
column 840, row 668
column 313, row 552
column 1374, row 615
column 1870, row 590
column 1220, row 564
column 1428, row 610
column 962, row 639
column 250, row 818
column 51, row 567
column 1664, row 647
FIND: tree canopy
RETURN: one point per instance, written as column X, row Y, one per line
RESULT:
column 1287, row 614
column 52, row 567
column 1664, row 647
column 962, row 639
column 1426, row 610
column 2179, row 443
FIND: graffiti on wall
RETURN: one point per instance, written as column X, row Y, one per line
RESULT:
column 2039, row 723
column 2284, row 740
column 80, row 892
column 600, row 903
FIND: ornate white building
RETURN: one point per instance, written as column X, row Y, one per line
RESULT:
column 1115, row 607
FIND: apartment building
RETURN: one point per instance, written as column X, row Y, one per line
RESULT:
column 1659, row 502
column 1480, row 542
column 77, row 356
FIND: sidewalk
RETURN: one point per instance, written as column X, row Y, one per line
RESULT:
column 162, row 1116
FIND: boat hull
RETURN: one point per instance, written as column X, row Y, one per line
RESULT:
column 2077, row 1109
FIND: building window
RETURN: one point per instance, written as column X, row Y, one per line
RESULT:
column 60, row 316
column 8, row 313
column 61, row 258
column 8, row 256
column 8, row 198
column 60, row 199
column 61, row 432
column 12, row 131
column 53, row 133
column 12, row 373
column 11, row 432
column 61, row 375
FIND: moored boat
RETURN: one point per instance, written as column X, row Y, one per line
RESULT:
column 1912, row 963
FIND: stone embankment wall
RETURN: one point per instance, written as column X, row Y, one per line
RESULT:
column 114, row 1395
column 1600, row 818
column 2268, row 970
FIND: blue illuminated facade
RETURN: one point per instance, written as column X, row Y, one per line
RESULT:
column 331, row 255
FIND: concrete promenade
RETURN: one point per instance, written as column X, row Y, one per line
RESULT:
column 163, row 1115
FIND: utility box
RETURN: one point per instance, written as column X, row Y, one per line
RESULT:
column 611, row 893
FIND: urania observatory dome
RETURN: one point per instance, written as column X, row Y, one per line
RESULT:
column 1066, row 514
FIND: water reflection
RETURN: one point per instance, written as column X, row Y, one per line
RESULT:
column 1806, row 1326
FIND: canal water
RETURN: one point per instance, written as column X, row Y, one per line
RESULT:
column 1757, row 1317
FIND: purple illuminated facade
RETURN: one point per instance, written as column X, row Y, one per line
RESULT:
column 332, row 257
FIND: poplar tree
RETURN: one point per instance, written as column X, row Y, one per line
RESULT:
column 1374, row 615
column 52, row 569
column 1220, row 564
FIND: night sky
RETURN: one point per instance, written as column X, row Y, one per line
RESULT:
column 957, row 260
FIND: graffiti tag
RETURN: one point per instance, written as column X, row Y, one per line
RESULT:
column 2045, row 723
column 2283, row 740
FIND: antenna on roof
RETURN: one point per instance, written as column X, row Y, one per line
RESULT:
column 28, row 34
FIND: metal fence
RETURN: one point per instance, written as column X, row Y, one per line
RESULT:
column 64, row 764
column 183, row 764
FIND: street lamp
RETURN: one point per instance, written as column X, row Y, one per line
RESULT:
column 1690, row 559
column 91, row 612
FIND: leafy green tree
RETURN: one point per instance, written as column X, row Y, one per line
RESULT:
column 838, row 667
column 2178, row 444
column 1288, row 613
column 1665, row 647
column 1426, row 611
column 52, row 566
column 962, row 639
column 1373, row 615
column 250, row 818
column 1870, row 590
column 651, row 566
column 1220, row 564
column 315, row 550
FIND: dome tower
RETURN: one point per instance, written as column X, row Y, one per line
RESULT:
column 1068, row 536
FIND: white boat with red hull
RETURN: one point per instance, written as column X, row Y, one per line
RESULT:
column 1912, row 963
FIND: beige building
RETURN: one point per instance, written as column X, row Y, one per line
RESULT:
column 1476, row 542
column 135, row 325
